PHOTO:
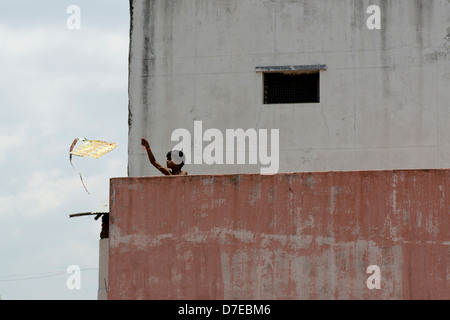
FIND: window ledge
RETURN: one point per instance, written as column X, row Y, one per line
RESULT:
column 309, row 67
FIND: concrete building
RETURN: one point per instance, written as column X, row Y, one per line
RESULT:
column 383, row 92
column 349, row 89
column 293, row 236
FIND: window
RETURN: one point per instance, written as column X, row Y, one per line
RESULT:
column 291, row 84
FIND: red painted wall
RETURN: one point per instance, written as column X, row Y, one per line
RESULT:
column 287, row 236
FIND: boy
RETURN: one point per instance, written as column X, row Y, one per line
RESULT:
column 173, row 165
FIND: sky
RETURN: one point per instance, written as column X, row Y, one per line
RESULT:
column 58, row 83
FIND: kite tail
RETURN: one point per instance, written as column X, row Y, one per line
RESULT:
column 81, row 178
column 70, row 159
column 70, row 151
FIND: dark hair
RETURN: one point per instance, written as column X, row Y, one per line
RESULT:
column 180, row 157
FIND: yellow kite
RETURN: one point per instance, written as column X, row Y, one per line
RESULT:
column 90, row 148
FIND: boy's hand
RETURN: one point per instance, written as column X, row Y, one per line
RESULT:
column 145, row 143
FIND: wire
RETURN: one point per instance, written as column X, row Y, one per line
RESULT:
column 28, row 274
column 38, row 275
column 31, row 278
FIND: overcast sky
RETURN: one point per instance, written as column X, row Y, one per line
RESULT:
column 57, row 84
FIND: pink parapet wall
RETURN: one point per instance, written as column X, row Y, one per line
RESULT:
column 286, row 236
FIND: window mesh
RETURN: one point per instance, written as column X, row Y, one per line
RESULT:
column 291, row 88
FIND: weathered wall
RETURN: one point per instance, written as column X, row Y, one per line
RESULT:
column 287, row 236
column 103, row 269
column 384, row 96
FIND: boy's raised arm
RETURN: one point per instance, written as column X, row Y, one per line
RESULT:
column 152, row 159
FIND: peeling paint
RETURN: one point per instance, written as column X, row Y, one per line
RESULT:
column 314, row 239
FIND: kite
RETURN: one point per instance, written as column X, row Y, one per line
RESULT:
column 90, row 148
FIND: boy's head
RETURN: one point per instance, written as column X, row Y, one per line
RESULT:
column 175, row 158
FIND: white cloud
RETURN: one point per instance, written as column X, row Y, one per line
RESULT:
column 45, row 67
column 9, row 141
column 51, row 193
column 57, row 84
column 43, row 193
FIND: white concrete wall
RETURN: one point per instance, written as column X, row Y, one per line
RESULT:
column 103, row 269
column 384, row 96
